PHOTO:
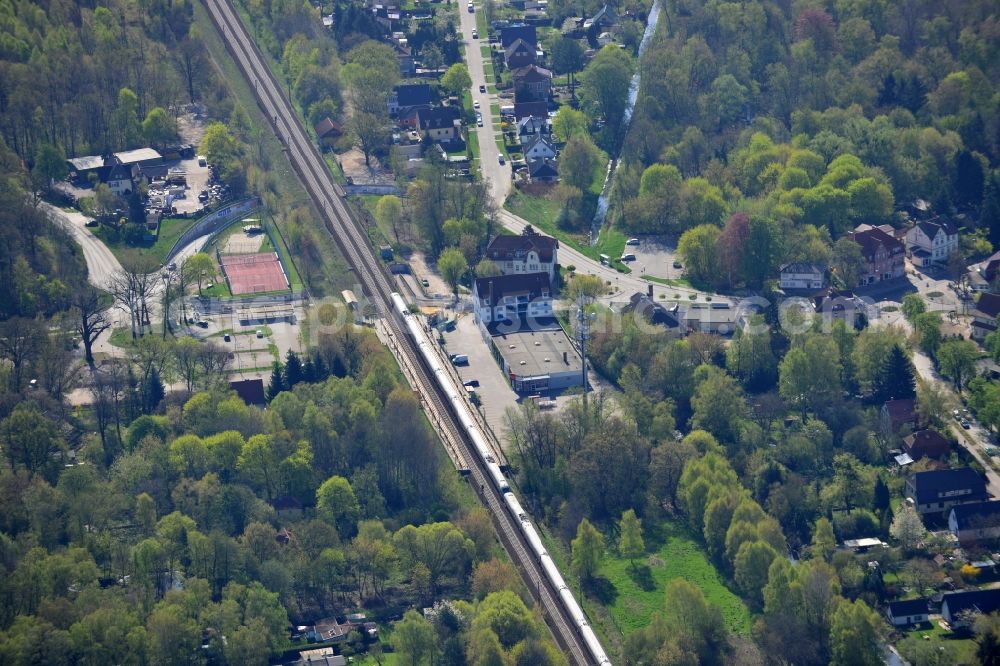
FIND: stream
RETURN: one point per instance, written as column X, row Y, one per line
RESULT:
column 633, row 94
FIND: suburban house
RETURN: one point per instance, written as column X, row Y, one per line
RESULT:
column 939, row 490
column 328, row 629
column 605, row 18
column 530, row 126
column 119, row 178
column 519, row 54
column 525, row 109
column 407, row 63
column 543, row 171
column 717, row 318
column 883, row 254
column 802, row 276
column 121, row 171
column 288, row 507
column 250, row 391
column 409, row 96
column 926, row 444
column 530, row 252
column 539, row 148
column 975, row 522
column 931, row 242
column 324, row 656
column 511, row 33
column 532, row 84
column 328, row 131
column 440, row 124
column 898, row 413
column 957, row 607
column 653, row 312
column 510, row 297
column 905, row 613
column 984, row 317
column 842, row 304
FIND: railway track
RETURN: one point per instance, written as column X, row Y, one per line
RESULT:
column 328, row 199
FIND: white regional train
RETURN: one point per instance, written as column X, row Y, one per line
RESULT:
column 461, row 410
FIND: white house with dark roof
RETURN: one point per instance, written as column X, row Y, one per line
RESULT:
column 512, row 297
column 974, row 522
column 539, row 148
column 543, row 171
column 802, row 275
column 984, row 317
column 931, row 242
column 530, row 252
column 907, row 612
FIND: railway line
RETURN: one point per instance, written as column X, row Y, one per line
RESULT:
column 328, row 199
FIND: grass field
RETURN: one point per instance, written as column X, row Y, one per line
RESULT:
column 640, row 592
column 543, row 212
column 170, row 230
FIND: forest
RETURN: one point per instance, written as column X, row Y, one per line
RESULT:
column 808, row 119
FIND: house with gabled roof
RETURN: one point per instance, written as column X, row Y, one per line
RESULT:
column 529, row 126
column 543, row 171
column 509, row 34
column 907, row 612
column 931, row 241
column 532, row 84
column 975, row 522
column 539, row 148
column 440, row 124
column 957, row 608
column 984, row 317
column 409, row 96
column 939, row 490
column 883, row 254
column 529, row 252
column 519, row 54
column 926, row 444
column 605, row 18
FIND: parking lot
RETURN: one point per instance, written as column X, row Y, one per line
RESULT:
column 494, row 389
column 654, row 255
column 252, row 355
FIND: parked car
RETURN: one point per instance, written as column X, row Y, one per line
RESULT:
column 460, row 359
column 475, row 34
column 425, row 283
column 227, row 338
column 475, row 105
column 677, row 264
column 482, row 89
column 502, row 161
column 474, row 383
column 632, row 241
column 260, row 333
column 966, row 425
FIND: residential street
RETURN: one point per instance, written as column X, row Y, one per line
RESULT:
column 499, row 178
column 925, row 369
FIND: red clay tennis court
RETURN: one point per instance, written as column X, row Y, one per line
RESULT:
column 253, row 273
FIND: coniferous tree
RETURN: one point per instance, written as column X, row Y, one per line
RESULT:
column 277, row 384
column 897, row 380
column 154, row 390
column 293, row 369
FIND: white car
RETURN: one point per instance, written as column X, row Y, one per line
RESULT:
column 632, row 241
column 475, row 105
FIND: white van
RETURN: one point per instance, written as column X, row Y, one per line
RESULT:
column 605, row 260
column 628, row 256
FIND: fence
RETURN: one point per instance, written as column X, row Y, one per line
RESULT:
column 213, row 223
column 371, row 189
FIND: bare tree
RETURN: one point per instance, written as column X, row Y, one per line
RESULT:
column 20, row 340
column 131, row 288
column 213, row 359
column 91, row 310
column 56, row 368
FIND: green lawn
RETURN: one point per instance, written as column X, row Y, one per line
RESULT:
column 542, row 213
column 680, row 556
column 170, row 230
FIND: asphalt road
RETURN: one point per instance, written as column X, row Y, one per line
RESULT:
column 101, row 263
